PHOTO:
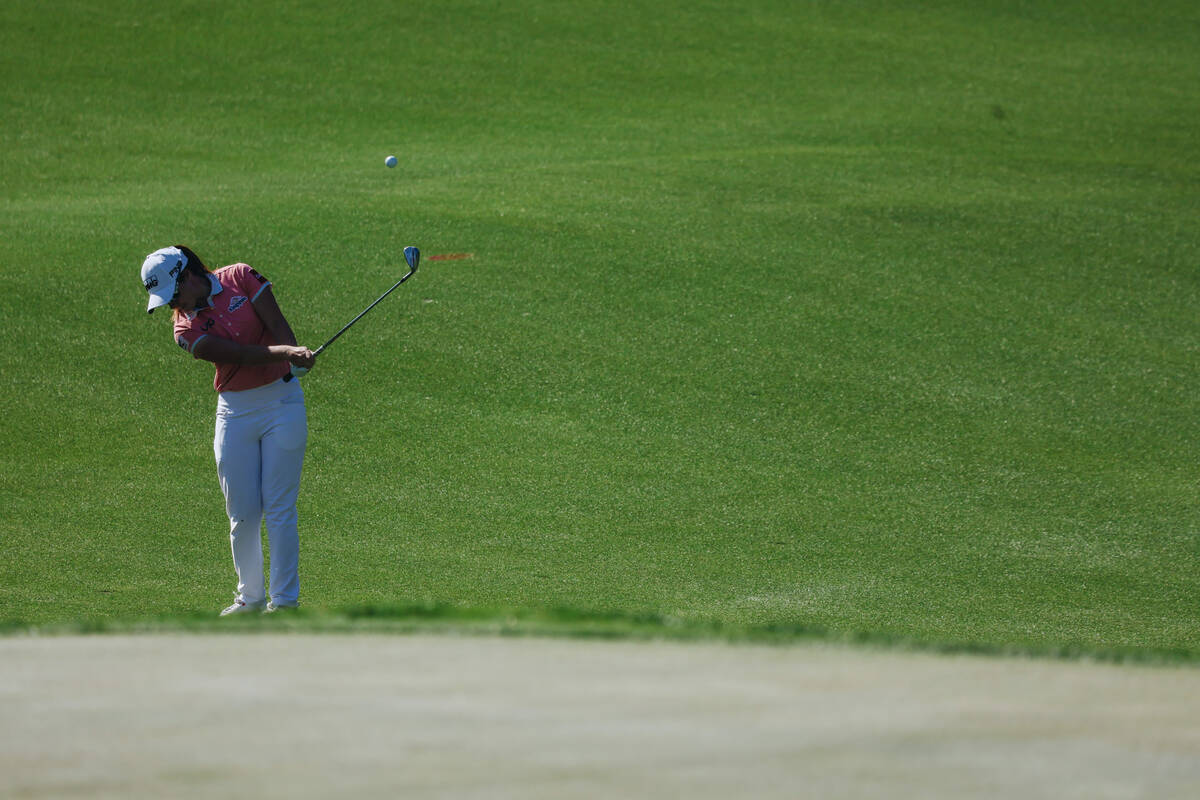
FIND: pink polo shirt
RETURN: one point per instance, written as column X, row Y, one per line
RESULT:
column 230, row 314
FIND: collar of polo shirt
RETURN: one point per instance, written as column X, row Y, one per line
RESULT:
column 217, row 288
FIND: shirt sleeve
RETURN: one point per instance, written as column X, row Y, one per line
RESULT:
column 187, row 336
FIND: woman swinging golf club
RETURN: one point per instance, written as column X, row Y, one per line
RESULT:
column 230, row 317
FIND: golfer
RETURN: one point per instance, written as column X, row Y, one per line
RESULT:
column 230, row 317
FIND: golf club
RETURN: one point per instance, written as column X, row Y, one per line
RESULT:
column 413, row 256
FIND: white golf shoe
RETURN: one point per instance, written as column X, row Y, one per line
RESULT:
column 241, row 607
column 272, row 608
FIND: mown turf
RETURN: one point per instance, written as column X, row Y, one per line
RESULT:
column 845, row 317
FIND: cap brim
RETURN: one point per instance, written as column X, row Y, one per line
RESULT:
column 157, row 301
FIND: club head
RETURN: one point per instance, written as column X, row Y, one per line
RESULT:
column 413, row 256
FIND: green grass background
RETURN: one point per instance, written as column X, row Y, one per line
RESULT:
column 866, row 318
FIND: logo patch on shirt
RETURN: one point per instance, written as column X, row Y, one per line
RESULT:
column 237, row 302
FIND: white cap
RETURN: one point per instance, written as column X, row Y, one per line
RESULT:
column 160, row 272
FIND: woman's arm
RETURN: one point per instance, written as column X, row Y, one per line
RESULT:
column 227, row 351
column 272, row 317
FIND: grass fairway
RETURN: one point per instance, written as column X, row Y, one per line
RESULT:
column 853, row 318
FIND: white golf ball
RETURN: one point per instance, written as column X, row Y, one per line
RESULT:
column 390, row 161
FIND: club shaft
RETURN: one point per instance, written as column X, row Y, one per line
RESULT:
column 348, row 325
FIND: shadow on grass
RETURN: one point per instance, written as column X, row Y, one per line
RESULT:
column 573, row 623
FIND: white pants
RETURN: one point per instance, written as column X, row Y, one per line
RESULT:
column 259, row 445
